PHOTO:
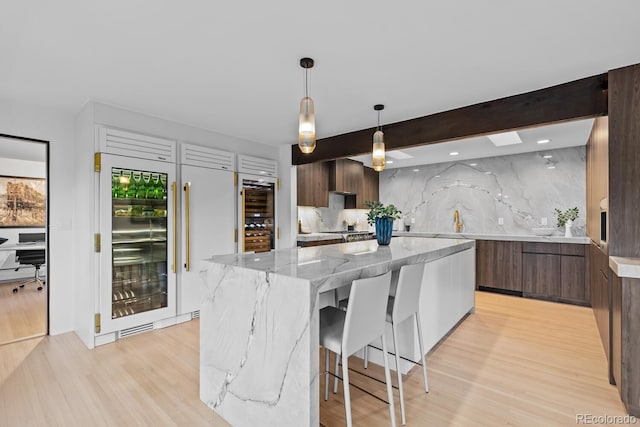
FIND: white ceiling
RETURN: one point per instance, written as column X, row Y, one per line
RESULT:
column 232, row 67
column 12, row 148
column 562, row 135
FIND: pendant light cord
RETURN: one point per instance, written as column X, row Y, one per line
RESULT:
column 378, row 120
column 306, row 82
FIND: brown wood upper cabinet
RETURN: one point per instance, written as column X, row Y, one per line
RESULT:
column 370, row 190
column 313, row 184
column 346, row 176
column 355, row 181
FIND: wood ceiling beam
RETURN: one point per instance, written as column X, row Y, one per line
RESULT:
column 574, row 100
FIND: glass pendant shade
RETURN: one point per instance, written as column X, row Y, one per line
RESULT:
column 378, row 160
column 307, row 127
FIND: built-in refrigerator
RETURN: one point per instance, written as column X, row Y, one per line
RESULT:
column 138, row 199
column 207, row 216
column 160, row 211
column 258, row 183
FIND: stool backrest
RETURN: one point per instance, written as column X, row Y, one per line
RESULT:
column 366, row 312
column 407, row 299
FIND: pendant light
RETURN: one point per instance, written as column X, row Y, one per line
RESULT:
column 378, row 143
column 307, row 125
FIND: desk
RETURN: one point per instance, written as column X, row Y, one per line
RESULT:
column 259, row 326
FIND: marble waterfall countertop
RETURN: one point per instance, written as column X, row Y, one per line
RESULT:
column 259, row 319
column 332, row 266
column 584, row 240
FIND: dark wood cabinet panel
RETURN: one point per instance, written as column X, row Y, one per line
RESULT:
column 346, row 176
column 573, row 249
column 541, row 248
column 624, row 161
column 599, row 295
column 499, row 265
column 311, row 243
column 370, row 188
column 541, row 275
column 313, row 184
column 616, row 331
column 629, row 344
column 554, row 248
column 573, row 283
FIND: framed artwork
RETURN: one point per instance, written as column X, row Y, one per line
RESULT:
column 23, row 202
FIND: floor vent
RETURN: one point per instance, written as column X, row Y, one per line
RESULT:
column 135, row 330
column 195, row 314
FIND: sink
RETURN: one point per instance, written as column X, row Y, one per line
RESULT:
column 543, row 231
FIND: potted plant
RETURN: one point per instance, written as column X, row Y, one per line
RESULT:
column 382, row 216
column 566, row 219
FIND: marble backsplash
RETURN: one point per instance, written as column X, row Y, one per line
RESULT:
column 333, row 218
column 521, row 189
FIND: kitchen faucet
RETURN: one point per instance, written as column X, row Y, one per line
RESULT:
column 458, row 223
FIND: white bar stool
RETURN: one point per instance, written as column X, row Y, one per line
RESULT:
column 405, row 304
column 344, row 333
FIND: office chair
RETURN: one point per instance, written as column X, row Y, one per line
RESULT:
column 31, row 257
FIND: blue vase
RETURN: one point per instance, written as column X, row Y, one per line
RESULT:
column 384, row 228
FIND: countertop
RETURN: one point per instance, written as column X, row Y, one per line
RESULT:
column 312, row 237
column 328, row 267
column 584, row 240
column 625, row 267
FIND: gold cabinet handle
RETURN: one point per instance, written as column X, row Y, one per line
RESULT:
column 174, row 188
column 187, row 207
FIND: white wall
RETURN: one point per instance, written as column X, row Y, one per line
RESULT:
column 56, row 127
column 27, row 168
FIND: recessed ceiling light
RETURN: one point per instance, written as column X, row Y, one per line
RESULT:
column 389, row 162
column 473, row 164
column 506, row 138
column 543, row 141
column 416, row 170
column 453, row 153
column 437, row 176
column 551, row 167
column 548, row 156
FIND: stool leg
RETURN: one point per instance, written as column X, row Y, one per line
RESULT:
column 366, row 356
column 387, row 377
column 424, row 362
column 326, row 373
column 394, row 332
column 337, row 372
column 347, row 395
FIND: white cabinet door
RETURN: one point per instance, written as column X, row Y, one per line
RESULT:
column 207, row 228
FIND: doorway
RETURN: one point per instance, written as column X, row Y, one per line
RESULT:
column 24, row 236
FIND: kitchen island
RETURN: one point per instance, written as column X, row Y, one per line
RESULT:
column 259, row 353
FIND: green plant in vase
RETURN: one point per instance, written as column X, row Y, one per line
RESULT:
column 566, row 219
column 382, row 216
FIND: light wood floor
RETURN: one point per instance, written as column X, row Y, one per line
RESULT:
column 22, row 314
column 515, row 362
